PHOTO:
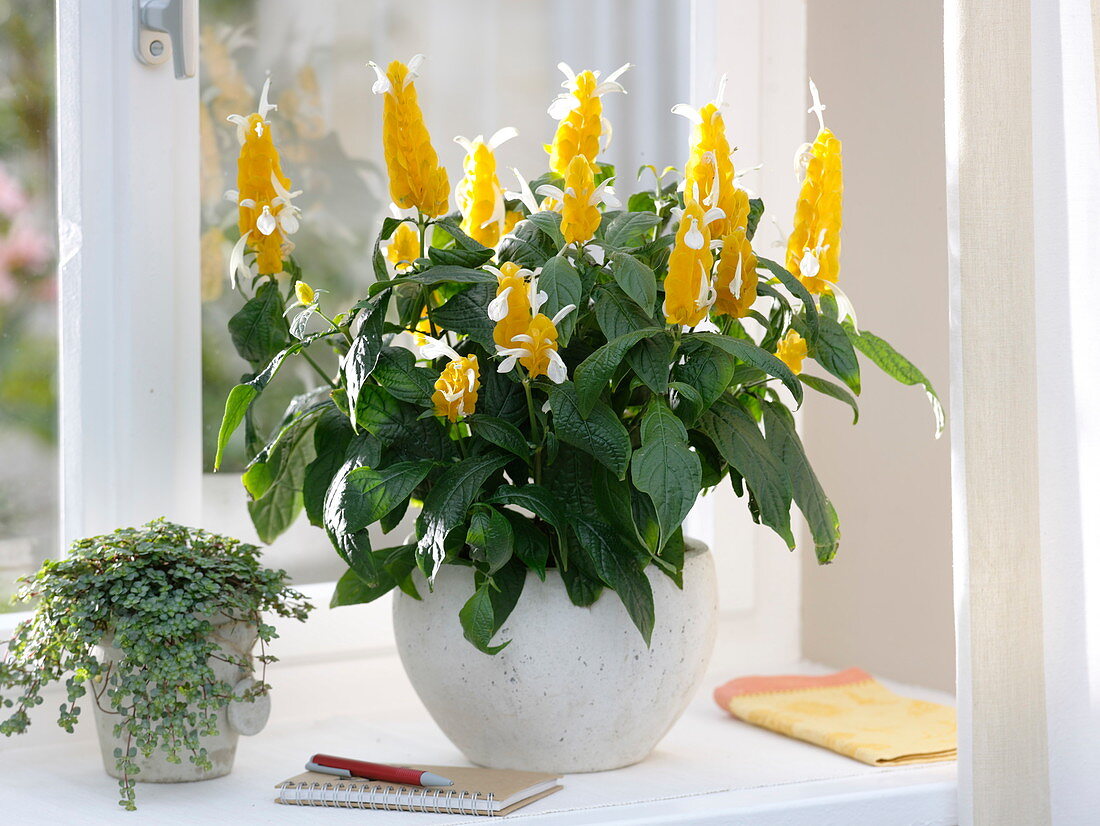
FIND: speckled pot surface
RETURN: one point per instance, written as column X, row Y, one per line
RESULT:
column 233, row 720
column 576, row 690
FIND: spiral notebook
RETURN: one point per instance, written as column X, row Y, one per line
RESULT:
column 490, row 792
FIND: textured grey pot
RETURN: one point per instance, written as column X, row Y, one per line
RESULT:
column 576, row 690
column 237, row 638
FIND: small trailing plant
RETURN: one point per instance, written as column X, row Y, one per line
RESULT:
column 584, row 369
column 149, row 592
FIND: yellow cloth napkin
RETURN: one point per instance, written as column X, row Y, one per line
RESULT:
column 849, row 712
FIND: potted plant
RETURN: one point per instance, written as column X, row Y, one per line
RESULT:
column 585, row 370
column 159, row 624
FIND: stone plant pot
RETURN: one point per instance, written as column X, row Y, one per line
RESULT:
column 576, row 690
column 236, row 638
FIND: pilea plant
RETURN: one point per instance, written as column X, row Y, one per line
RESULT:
column 554, row 376
column 150, row 592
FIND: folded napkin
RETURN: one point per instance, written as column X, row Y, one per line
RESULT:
column 849, row 712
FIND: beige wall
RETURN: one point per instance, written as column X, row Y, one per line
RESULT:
column 886, row 603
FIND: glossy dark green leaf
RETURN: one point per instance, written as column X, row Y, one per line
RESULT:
column 593, row 374
column 629, row 229
column 562, row 285
column 618, row 571
column 664, row 468
column 478, row 621
column 490, row 538
column 259, row 329
column 550, row 224
column 617, row 314
column 446, row 505
column 466, row 312
column 833, row 350
column 650, row 359
column 796, row 288
column 236, row 404
column 831, row 389
column 635, row 279
column 358, row 364
column 752, row 355
column 501, row 433
column 397, row 371
column 368, row 494
column 738, row 438
column 600, row 433
column 535, row 498
column 532, row 547
column 460, row 257
column 331, row 438
column 808, row 495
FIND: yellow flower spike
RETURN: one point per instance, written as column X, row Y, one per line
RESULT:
column 542, row 357
column 792, row 350
column 580, row 218
column 456, row 388
column 416, row 177
column 579, row 112
column 266, row 215
column 511, row 309
column 423, row 329
column 304, row 292
column 511, row 218
column 404, row 247
column 709, row 172
column 689, row 292
column 736, row 278
column 813, row 249
column 479, row 194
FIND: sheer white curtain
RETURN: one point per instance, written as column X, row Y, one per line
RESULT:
column 1024, row 210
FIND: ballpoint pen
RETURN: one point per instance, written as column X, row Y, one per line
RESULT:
column 345, row 767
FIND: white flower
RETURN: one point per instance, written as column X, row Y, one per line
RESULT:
column 525, row 196
column 555, row 368
column 236, row 261
column 383, row 85
column 266, row 222
column 498, row 307
column 693, row 237
column 433, row 348
column 818, row 108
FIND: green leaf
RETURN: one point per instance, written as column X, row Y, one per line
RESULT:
column 832, row 349
column 368, row 494
column 490, row 538
column 898, row 367
column 441, row 274
column 811, row 499
column 562, row 286
column 582, row 589
column 462, row 240
column 593, row 374
column 352, row 589
column 478, row 621
column 357, row 366
column 617, row 314
column 501, row 433
column 738, row 438
column 796, row 288
column 534, row 498
column 550, row 224
column 502, row 397
column 331, row 438
column 600, row 433
column 749, row 353
column 467, row 313
column 650, row 359
column 629, row 229
column 446, row 504
column 236, row 404
column 281, row 502
column 532, row 547
column 460, row 257
column 259, row 329
column 507, row 585
column 709, row 370
column 619, row 571
column 756, row 210
column 636, row 279
column 664, row 467
column 613, row 502
column 396, row 370
column 830, row 389
column 527, row 246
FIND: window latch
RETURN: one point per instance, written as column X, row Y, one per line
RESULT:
column 167, row 26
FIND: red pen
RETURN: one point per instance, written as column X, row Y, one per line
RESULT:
column 344, row 767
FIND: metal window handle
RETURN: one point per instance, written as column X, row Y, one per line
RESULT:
column 167, row 25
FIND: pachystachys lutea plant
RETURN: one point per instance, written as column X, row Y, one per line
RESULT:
column 556, row 389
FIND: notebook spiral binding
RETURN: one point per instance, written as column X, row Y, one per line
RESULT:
column 387, row 798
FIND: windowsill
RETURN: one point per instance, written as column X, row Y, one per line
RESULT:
column 364, row 705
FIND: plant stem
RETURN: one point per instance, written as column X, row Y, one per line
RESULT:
column 534, row 426
column 334, row 326
column 317, row 367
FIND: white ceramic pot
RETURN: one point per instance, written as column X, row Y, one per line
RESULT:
column 236, row 638
column 576, row 690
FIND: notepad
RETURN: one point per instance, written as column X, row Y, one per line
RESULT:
column 490, row 792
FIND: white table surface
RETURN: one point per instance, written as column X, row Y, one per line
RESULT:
column 710, row 769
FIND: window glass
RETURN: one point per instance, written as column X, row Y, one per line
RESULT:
column 28, row 294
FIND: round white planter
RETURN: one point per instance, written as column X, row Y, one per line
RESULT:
column 576, row 690
column 238, row 638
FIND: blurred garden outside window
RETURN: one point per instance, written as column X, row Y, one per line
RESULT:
column 28, row 294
